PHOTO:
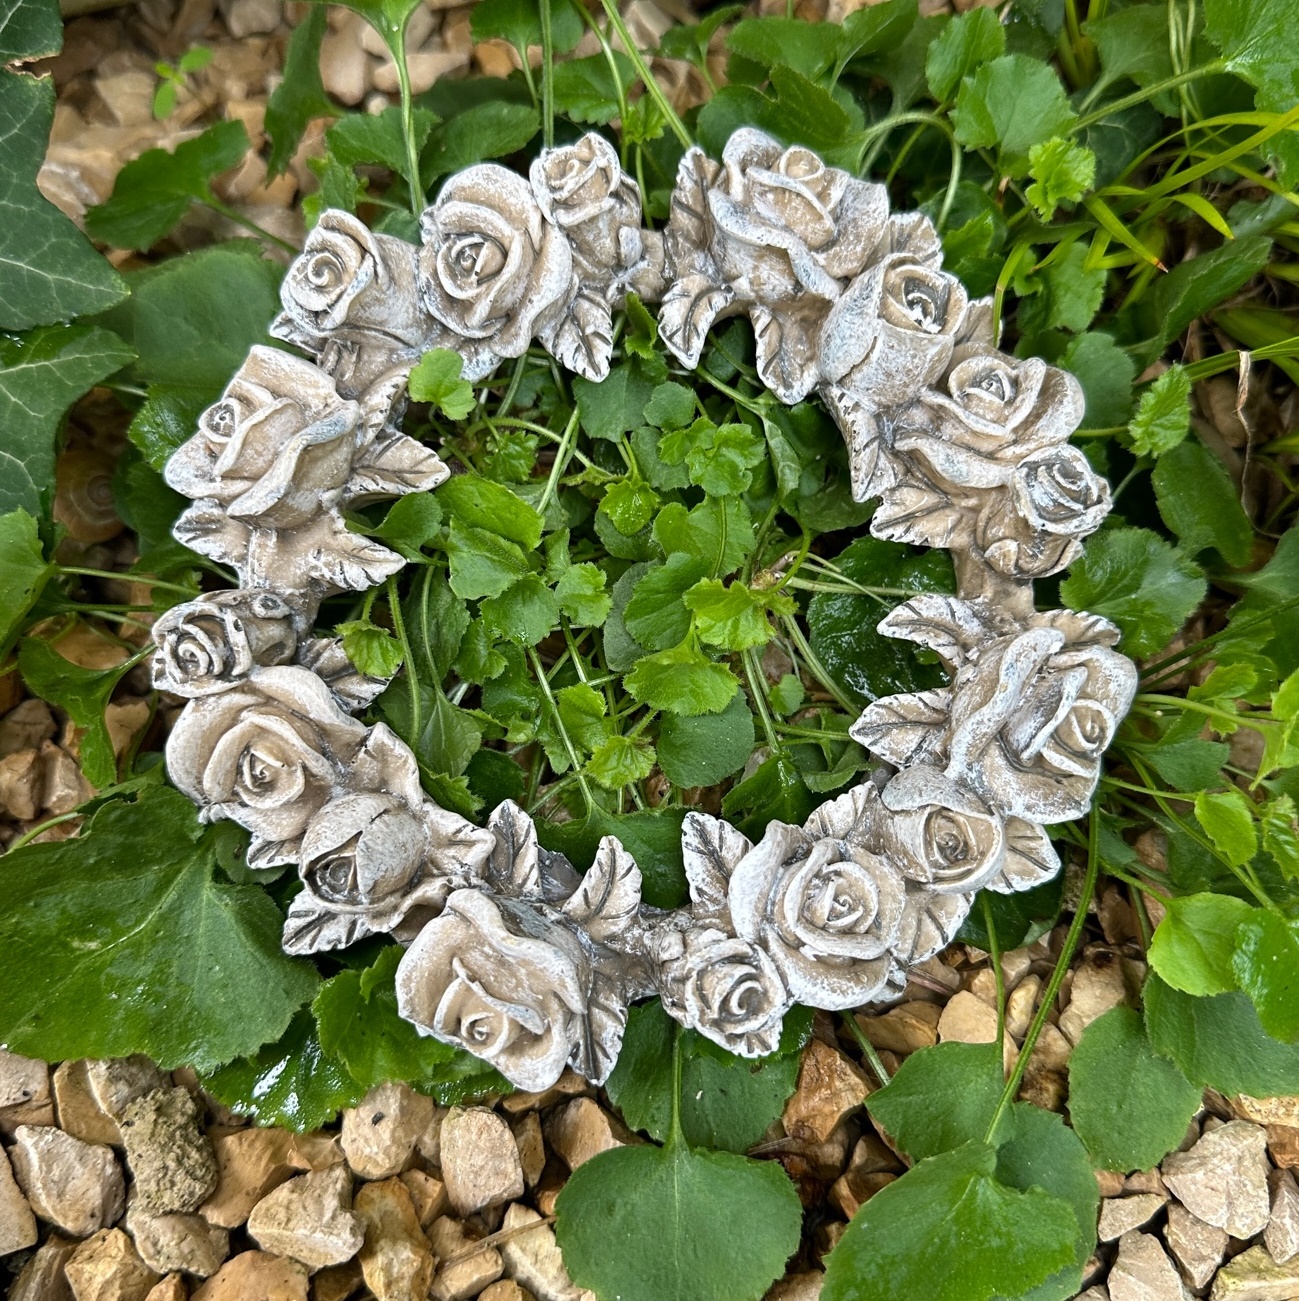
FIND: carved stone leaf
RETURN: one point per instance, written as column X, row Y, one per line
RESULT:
column 325, row 657
column 393, row 468
column 785, row 355
column 917, row 512
column 1079, row 627
column 263, row 854
column 383, row 403
column 512, row 868
column 869, row 457
column 687, row 312
column 332, row 558
column 606, row 1020
column 606, row 901
column 946, row 624
column 1030, row 858
column 905, row 729
column 711, row 849
column 929, row 923
column 848, row 817
column 688, row 229
column 582, row 337
column 206, row 528
column 309, row 929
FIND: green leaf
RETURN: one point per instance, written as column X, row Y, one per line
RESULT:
column 482, row 563
column 1013, row 102
column 808, row 48
column 1071, row 295
column 1106, row 373
column 41, row 375
column 1135, row 578
column 690, row 1225
column 153, row 192
column 1132, row 43
column 1266, row 964
column 165, row 420
column 691, row 40
column 123, row 940
column 630, row 504
column 300, row 97
column 734, row 617
column 358, row 139
column 619, row 760
column 1256, row 38
column 774, row 791
column 49, row 271
column 787, row 695
column 940, row 1098
column 656, row 615
column 1201, row 504
column 1163, row 416
column 293, row 1082
column 671, row 406
column 720, row 458
column 1128, row 1105
column 411, row 524
column 437, row 380
column 682, row 680
column 1189, row 765
column 1193, row 945
column 616, row 405
column 484, row 131
column 585, row 89
column 582, row 596
column 373, row 651
column 1219, row 1042
column 948, row 1230
column 718, row 532
column 30, row 29
column 1281, row 834
column 23, row 573
column 1228, row 818
column 387, row 17
column 523, row 613
column 519, row 22
column 1018, row 918
column 1062, row 173
column 704, row 751
column 727, row 1102
column 484, row 505
column 965, row 44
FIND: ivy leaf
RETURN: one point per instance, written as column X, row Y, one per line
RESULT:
column 374, row 651
column 123, row 940
column 1200, row 503
column 682, row 680
column 1163, row 417
column 727, row 1102
column 1266, row 964
column 1133, row 577
column 704, row 751
column 436, row 379
column 300, row 97
column 734, row 617
column 24, row 572
column 48, row 269
column 964, row 45
column 1014, row 102
column 292, row 1082
column 1219, row 1042
column 153, row 192
column 1228, row 818
column 582, row 597
column 1193, row 945
column 948, row 1230
column 41, row 375
column 29, row 29
column 689, row 1225
column 1130, row 1106
column 1062, row 173
column 619, row 761
column 940, row 1098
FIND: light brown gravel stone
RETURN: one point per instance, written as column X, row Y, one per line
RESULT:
column 169, row 1156
column 462, row 1271
column 17, row 1223
column 427, row 1194
column 176, row 1242
column 43, row 1278
column 904, row 1029
column 337, row 1283
column 379, row 1135
column 1255, row 1276
column 116, row 1082
column 582, row 1129
column 569, row 1085
column 1223, row 1178
column 106, row 1268
column 532, row 1258
column 1098, row 985
column 1196, row 1246
column 1268, row 1111
column 506, row 1289
column 480, row 1160
column 1119, row 1214
column 1282, row 1235
column 1143, row 1272
column 532, row 1147
column 172, row 1288
column 250, row 1162
column 396, row 1260
column 797, row 1287
column 310, row 1219
column 74, row 1185
column 22, row 1080
column 78, row 1112
column 830, row 1087
column 1283, row 1145
column 255, row 1274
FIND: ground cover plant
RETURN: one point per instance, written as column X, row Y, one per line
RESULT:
column 656, row 594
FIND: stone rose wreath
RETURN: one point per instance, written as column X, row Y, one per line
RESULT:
column 511, row 954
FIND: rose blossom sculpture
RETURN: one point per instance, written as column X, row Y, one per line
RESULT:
column 511, row 953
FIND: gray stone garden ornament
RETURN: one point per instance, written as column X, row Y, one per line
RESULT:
column 511, row 954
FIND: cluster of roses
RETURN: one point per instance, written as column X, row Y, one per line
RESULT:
column 513, row 955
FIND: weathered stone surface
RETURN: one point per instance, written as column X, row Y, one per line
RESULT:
column 532, row 1258
column 1196, row 1246
column 43, row 1278
column 1282, row 1235
column 116, row 1082
column 1223, row 1178
column 506, row 1289
column 829, row 1088
column 464, row 1266
column 967, row 1019
column 429, row 1143
column 177, row 1242
column 1148, row 1181
column 74, row 1185
column 1119, row 1214
column 168, row 1154
column 1020, row 1006
column 106, row 1268
column 582, row 1129
column 1268, row 1111
column 1098, row 985
column 337, row 1283
column 1143, row 1272
column 1097, row 1293
column 427, row 1194
column 380, row 1134
column 17, row 1223
column 396, row 1260
column 255, row 1274
column 79, row 1114
column 1283, row 1145
column 309, row 1218
column 904, row 1029
column 569, row 1085
column 1255, row 1276
column 532, row 1147
column 22, row 1080
column 797, row 1287
column 250, row 1162
column 480, row 1160
column 172, row 1288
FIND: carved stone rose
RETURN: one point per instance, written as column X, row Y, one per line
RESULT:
column 492, row 269
column 495, row 978
column 826, row 911
column 725, row 987
column 214, row 643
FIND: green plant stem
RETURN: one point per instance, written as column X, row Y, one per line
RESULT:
column 399, row 626
column 126, row 578
column 408, row 124
column 562, row 458
column 818, row 669
column 1052, row 990
column 867, row 1048
column 675, row 1133
column 998, row 976
column 1141, row 96
column 547, row 74
column 544, row 683
column 652, row 88
column 28, row 836
column 240, row 220
column 753, row 671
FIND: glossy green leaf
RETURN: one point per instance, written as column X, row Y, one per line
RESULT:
column 1163, row 417
column 1193, row 944
column 1201, row 505
column 1266, row 964
column 24, row 572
